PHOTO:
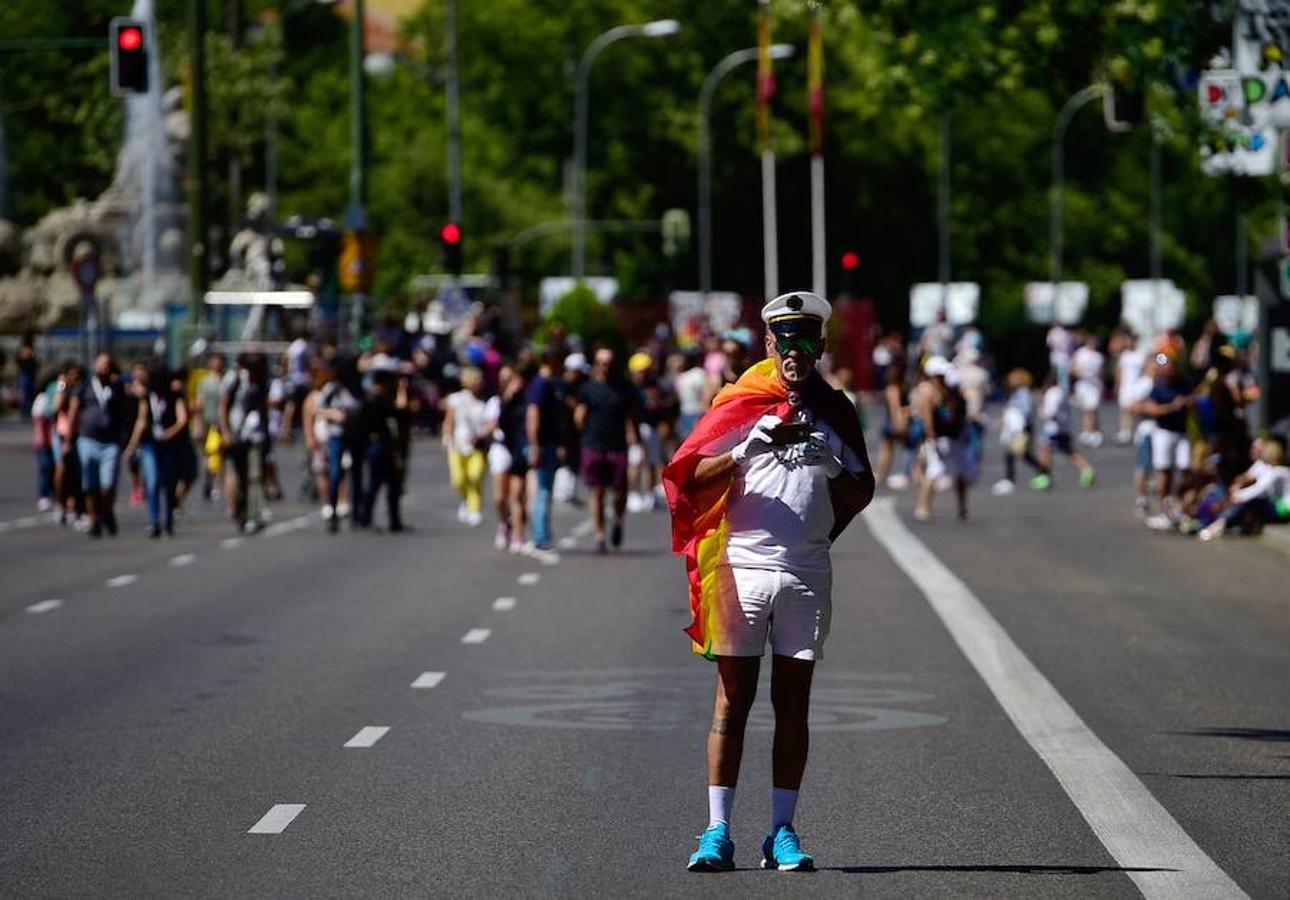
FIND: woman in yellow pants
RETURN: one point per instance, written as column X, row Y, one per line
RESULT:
column 465, row 435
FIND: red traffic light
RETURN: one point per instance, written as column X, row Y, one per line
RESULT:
column 129, row 39
column 850, row 261
column 450, row 233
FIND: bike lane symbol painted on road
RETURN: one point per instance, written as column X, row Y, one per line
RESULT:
column 617, row 701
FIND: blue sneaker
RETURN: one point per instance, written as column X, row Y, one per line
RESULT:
column 783, row 851
column 716, row 851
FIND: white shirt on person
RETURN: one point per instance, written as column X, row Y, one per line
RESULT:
column 468, row 420
column 780, row 513
column 1270, row 483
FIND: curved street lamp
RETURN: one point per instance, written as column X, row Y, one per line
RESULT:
column 656, row 29
column 719, row 71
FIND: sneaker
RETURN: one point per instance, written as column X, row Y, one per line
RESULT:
column 343, row 510
column 1002, row 488
column 1041, row 482
column 1086, row 478
column 1141, row 508
column 1160, row 522
column 517, row 546
column 1095, row 439
column 783, row 851
column 897, row 482
column 503, row 538
column 1123, row 437
column 463, row 512
column 716, row 851
column 328, row 512
column 474, row 519
column 154, row 532
column 44, row 504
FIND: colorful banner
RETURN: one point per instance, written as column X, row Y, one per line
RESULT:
column 765, row 76
column 815, row 82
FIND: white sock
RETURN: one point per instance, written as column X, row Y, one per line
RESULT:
column 783, row 803
column 721, row 800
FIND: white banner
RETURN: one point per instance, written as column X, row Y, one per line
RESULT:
column 1233, row 314
column 960, row 303
column 1149, row 307
column 1065, row 305
column 552, row 289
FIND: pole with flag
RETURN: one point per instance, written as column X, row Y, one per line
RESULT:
column 815, row 90
column 765, row 92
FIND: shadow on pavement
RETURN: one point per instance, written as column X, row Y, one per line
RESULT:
column 1007, row 870
column 1245, row 734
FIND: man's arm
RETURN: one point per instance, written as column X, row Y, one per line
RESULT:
column 713, row 468
column 532, row 421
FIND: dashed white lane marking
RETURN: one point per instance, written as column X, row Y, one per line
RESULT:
column 280, row 528
column 368, row 735
column 583, row 528
column 183, row 559
column 504, row 604
column 529, row 578
column 276, row 820
column 476, row 635
column 1135, row 829
column 117, row 581
column 44, row 606
column 231, row 543
column 568, row 543
column 427, row 680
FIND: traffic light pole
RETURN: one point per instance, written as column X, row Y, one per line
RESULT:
column 198, row 189
column 450, row 87
column 357, row 218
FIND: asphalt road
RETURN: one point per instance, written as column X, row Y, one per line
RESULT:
column 149, row 726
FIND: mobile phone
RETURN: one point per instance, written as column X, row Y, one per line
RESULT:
column 791, row 433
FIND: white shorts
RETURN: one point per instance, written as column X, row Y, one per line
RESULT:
column 792, row 609
column 1170, row 450
column 499, row 459
column 1088, row 394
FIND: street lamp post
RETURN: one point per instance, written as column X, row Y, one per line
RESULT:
column 1092, row 92
column 660, row 28
column 719, row 71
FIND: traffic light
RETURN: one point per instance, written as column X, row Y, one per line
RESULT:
column 850, row 263
column 128, row 43
column 450, row 239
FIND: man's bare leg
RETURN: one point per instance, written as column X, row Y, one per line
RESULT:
column 736, row 689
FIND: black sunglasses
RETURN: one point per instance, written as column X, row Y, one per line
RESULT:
column 787, row 343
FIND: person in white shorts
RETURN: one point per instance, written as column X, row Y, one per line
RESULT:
column 1086, row 367
column 1130, row 364
column 785, row 485
column 1169, row 403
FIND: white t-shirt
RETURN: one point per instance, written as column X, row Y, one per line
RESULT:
column 691, row 387
column 1060, row 342
column 1270, row 483
column 468, row 420
column 780, row 514
column 1055, row 410
column 1087, row 363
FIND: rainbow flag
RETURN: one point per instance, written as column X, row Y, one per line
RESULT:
column 699, row 526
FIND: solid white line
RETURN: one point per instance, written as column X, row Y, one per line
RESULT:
column 529, row 578
column 121, row 580
column 44, row 606
column 280, row 528
column 1135, row 829
column 279, row 816
column 504, row 604
column 428, row 680
column 183, row 559
column 367, row 736
column 231, row 543
column 476, row 636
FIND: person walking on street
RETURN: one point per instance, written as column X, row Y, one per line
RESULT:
column 98, row 414
column 543, row 431
column 945, row 451
column 464, row 437
column 1169, row 405
column 244, row 429
column 606, row 417
column 207, row 429
column 159, row 427
column 767, row 480
column 378, row 431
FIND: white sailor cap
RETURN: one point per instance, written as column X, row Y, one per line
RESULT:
column 796, row 307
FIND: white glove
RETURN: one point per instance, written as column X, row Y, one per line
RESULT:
column 757, row 442
column 817, row 452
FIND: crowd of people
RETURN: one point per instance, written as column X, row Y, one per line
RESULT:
column 1198, row 468
column 528, row 426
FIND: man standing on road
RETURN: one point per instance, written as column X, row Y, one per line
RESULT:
column 98, row 419
column 767, row 480
column 606, row 417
